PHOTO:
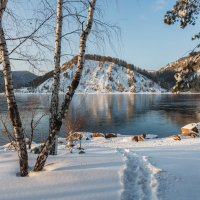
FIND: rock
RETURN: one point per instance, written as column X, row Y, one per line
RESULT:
column 98, row 135
column 186, row 134
column 176, row 137
column 194, row 135
column 143, row 135
column 134, row 138
column 38, row 149
column 140, row 138
column 110, row 135
column 137, row 138
column 189, row 128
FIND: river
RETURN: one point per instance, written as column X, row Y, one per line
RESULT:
column 127, row 114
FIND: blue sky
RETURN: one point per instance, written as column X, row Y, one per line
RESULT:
column 145, row 40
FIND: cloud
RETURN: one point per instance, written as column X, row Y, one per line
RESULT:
column 159, row 5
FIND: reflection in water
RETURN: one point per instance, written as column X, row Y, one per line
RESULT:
column 121, row 113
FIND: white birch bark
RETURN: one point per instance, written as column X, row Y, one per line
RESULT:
column 80, row 63
column 10, row 97
column 68, row 96
column 56, row 84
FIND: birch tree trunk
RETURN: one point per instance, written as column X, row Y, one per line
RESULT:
column 10, row 97
column 68, row 96
column 56, row 84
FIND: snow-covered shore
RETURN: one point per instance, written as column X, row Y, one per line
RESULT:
column 116, row 168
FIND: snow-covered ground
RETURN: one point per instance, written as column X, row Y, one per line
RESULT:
column 110, row 169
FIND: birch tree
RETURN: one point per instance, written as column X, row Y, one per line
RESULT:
column 71, row 89
column 56, row 84
column 11, row 102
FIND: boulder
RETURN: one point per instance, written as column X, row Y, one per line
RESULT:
column 110, row 135
column 137, row 138
column 188, row 129
column 194, row 135
column 176, row 137
column 143, row 135
column 98, row 135
column 187, row 134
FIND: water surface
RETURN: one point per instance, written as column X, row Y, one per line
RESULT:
column 160, row 114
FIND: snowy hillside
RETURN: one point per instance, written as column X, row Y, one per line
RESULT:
column 104, row 77
column 186, row 72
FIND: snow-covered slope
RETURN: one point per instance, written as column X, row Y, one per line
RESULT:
column 104, row 77
column 187, row 74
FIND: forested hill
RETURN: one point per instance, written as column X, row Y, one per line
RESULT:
column 100, row 74
column 187, row 71
column 165, row 77
column 39, row 80
column 20, row 78
column 108, row 74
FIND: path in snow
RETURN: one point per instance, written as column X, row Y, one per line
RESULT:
column 139, row 178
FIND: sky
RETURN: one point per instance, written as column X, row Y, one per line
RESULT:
column 145, row 40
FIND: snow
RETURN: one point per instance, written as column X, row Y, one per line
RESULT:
column 66, row 176
column 190, row 126
column 139, row 175
column 198, row 126
column 103, row 77
column 114, row 169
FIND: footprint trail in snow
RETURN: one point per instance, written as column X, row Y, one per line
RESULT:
column 139, row 178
